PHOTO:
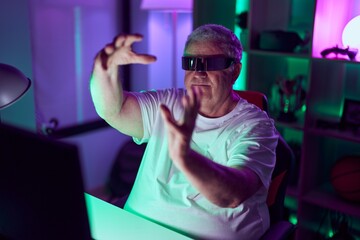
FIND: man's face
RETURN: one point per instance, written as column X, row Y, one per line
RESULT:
column 216, row 86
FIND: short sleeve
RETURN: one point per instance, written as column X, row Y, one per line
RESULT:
column 253, row 145
column 150, row 101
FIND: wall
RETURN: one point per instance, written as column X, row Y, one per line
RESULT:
column 66, row 36
column 214, row 11
column 15, row 50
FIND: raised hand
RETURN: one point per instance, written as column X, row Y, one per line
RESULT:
column 180, row 132
column 120, row 52
column 116, row 106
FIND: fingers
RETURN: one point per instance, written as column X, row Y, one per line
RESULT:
column 165, row 112
column 191, row 104
column 144, row 58
column 120, row 52
column 167, row 116
column 198, row 93
column 109, row 49
column 104, row 59
column 127, row 40
column 193, row 96
column 100, row 62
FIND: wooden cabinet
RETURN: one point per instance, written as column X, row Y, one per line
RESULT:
column 314, row 130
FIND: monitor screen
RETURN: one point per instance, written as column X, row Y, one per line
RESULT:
column 41, row 188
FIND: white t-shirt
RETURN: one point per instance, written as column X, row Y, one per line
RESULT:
column 244, row 137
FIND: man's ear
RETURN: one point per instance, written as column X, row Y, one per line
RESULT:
column 236, row 72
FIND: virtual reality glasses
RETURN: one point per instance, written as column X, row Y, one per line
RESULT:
column 203, row 64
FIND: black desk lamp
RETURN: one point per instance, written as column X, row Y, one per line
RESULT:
column 13, row 85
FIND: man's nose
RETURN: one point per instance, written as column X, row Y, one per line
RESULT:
column 201, row 74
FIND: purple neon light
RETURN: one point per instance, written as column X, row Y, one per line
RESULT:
column 330, row 20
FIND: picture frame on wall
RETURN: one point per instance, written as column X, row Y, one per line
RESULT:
column 350, row 118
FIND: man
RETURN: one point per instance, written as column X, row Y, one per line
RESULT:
column 209, row 155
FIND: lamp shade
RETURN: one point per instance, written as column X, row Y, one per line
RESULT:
column 167, row 5
column 13, row 85
column 351, row 33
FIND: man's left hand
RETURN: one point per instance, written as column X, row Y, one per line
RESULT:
column 180, row 132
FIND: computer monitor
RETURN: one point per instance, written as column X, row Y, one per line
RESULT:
column 41, row 188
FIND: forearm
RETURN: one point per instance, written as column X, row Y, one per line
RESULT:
column 107, row 93
column 222, row 185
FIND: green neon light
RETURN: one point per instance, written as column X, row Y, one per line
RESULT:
column 293, row 219
column 341, row 111
column 303, row 108
column 240, row 83
column 241, row 6
column 290, row 202
column 330, row 233
column 286, row 107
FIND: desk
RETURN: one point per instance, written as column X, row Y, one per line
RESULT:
column 109, row 222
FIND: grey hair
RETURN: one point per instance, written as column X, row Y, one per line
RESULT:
column 220, row 35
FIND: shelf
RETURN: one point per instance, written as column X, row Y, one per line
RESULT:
column 340, row 60
column 278, row 54
column 334, row 133
column 294, row 125
column 324, row 197
column 327, row 82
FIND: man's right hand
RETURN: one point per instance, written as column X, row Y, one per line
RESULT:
column 119, row 52
column 119, row 108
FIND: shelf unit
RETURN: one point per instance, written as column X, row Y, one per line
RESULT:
column 315, row 136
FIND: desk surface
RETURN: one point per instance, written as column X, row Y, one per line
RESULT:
column 109, row 222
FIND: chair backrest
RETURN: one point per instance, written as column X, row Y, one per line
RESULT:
column 124, row 169
column 254, row 97
column 284, row 163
